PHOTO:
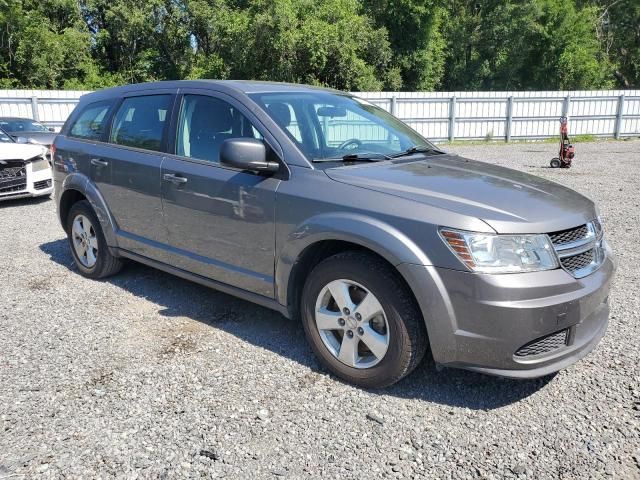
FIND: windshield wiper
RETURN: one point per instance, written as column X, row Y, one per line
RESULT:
column 416, row 149
column 355, row 157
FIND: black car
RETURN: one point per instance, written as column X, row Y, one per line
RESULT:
column 33, row 131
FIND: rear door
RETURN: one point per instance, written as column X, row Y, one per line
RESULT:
column 220, row 220
column 132, row 157
column 87, row 133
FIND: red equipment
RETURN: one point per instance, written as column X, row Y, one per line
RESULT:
column 567, row 151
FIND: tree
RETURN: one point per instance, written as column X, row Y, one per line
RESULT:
column 415, row 33
column 323, row 42
column 347, row 44
column 46, row 45
column 541, row 44
column 618, row 28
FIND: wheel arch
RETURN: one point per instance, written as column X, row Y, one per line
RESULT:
column 68, row 198
column 327, row 235
column 77, row 187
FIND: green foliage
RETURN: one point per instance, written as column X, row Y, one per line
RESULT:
column 346, row 44
column 415, row 31
column 539, row 44
column 619, row 32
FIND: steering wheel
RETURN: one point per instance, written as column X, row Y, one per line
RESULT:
column 352, row 141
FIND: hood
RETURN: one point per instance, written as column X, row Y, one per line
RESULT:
column 18, row 151
column 39, row 138
column 508, row 200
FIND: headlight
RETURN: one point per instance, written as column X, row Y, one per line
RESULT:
column 39, row 164
column 490, row 253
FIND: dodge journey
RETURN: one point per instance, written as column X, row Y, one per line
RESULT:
column 330, row 210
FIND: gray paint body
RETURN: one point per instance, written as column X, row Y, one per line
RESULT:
column 243, row 233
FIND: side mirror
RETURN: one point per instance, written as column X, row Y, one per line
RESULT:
column 51, row 129
column 246, row 154
column 21, row 139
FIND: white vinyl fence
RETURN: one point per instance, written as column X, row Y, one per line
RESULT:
column 440, row 116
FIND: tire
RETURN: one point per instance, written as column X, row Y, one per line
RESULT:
column 404, row 328
column 104, row 264
column 555, row 163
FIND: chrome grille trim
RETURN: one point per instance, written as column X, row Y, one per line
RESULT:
column 569, row 236
column 577, row 245
column 580, row 250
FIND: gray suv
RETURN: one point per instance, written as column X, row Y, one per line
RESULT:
column 327, row 208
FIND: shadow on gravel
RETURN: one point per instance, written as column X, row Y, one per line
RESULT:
column 20, row 202
column 267, row 329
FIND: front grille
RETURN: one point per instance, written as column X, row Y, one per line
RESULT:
column 14, row 188
column 42, row 184
column 544, row 345
column 578, row 262
column 13, row 176
column 569, row 236
column 580, row 249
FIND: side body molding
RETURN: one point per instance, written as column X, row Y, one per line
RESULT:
column 80, row 182
column 380, row 237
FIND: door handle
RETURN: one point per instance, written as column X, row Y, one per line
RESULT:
column 99, row 163
column 173, row 178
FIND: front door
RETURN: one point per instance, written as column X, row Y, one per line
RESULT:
column 220, row 220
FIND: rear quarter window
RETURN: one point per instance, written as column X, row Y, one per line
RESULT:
column 92, row 121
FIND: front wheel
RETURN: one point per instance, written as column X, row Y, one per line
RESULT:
column 361, row 320
column 87, row 242
column 555, row 163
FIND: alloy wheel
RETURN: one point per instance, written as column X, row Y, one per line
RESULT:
column 352, row 324
column 85, row 242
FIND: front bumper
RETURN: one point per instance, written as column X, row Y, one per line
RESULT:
column 35, row 184
column 479, row 322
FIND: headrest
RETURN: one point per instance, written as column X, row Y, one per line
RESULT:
column 146, row 115
column 280, row 113
column 211, row 120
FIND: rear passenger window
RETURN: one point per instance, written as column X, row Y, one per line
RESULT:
column 140, row 121
column 91, row 123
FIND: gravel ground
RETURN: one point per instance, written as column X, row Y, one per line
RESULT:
column 149, row 376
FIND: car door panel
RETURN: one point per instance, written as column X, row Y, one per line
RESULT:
column 220, row 221
column 134, row 199
column 134, row 187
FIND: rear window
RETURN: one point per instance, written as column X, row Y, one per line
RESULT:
column 140, row 122
column 91, row 123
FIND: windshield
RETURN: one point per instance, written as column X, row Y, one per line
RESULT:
column 18, row 125
column 331, row 126
column 5, row 138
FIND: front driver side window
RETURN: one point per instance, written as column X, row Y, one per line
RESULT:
column 205, row 122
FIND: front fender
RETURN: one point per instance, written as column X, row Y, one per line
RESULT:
column 377, row 236
column 83, row 184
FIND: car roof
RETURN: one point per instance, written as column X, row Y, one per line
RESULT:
column 242, row 86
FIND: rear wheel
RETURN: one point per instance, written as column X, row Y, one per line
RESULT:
column 87, row 242
column 555, row 163
column 361, row 320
